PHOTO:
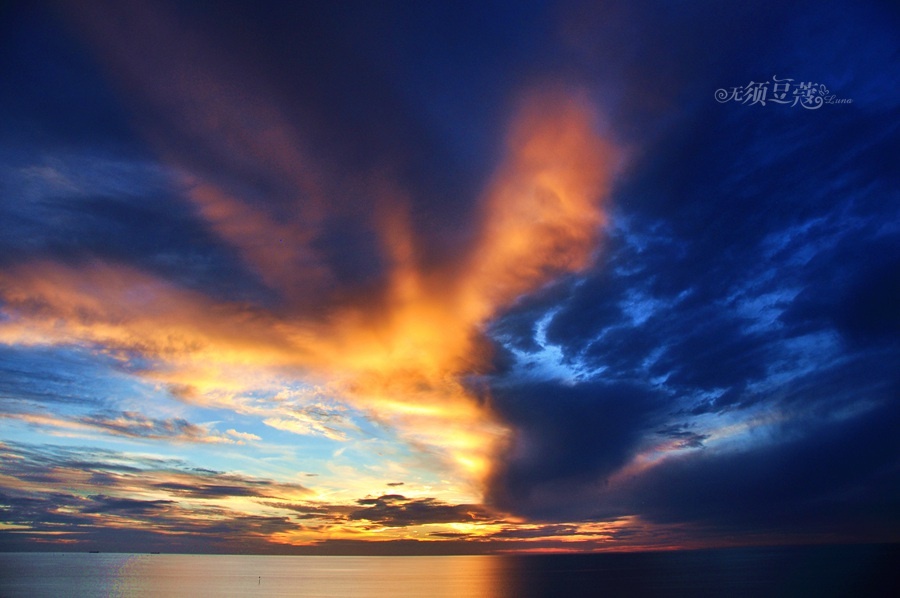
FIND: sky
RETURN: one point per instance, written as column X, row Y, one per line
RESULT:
column 428, row 278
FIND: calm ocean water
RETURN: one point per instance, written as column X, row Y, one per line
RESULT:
column 811, row 571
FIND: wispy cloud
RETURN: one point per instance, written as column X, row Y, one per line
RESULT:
column 134, row 425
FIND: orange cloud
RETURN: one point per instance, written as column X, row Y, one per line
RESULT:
column 401, row 358
column 401, row 353
column 542, row 211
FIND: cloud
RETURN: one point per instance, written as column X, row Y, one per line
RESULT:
column 686, row 438
column 125, row 506
column 68, row 104
column 204, row 490
column 549, row 263
column 136, row 425
column 566, row 437
column 242, row 436
column 395, row 510
column 47, row 377
column 90, row 497
column 802, row 471
column 825, row 479
column 315, row 419
column 732, row 280
column 852, row 288
column 401, row 351
column 129, row 424
column 84, row 466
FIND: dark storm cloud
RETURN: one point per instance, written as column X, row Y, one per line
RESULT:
column 854, row 289
column 750, row 265
column 517, row 329
column 835, row 477
column 829, row 471
column 860, row 379
column 566, row 436
column 712, row 351
column 54, row 96
column 593, row 306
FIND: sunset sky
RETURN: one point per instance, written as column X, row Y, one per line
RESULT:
column 413, row 277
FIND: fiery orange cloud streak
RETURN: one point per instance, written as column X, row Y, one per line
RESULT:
column 403, row 359
column 543, row 211
column 400, row 354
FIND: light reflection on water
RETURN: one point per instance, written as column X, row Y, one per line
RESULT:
column 71, row 574
column 808, row 571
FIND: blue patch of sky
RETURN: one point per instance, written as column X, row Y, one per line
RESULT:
column 549, row 362
column 66, row 378
column 640, row 306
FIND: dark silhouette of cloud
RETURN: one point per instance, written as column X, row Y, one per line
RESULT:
column 395, row 510
column 565, row 435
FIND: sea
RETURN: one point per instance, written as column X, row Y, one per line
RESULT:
column 819, row 571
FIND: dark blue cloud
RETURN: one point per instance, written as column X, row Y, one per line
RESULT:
column 55, row 96
column 125, row 506
column 78, row 207
column 750, row 270
column 837, row 477
column 370, row 89
column 78, row 182
column 854, row 289
column 566, row 436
